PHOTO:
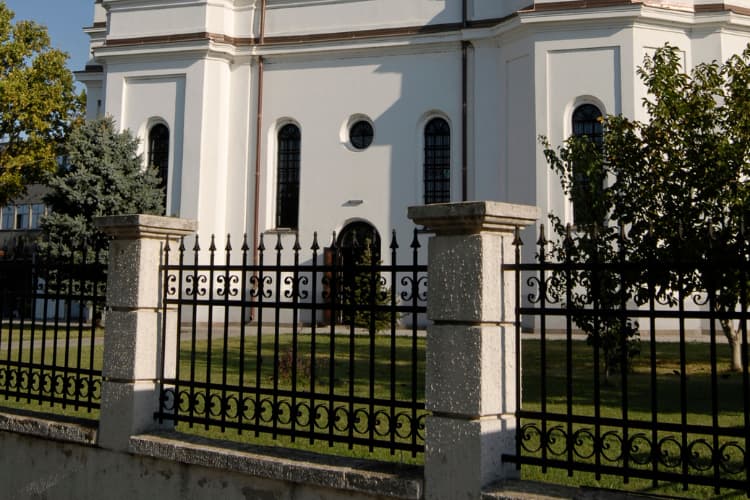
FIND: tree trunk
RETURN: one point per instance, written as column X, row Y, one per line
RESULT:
column 735, row 343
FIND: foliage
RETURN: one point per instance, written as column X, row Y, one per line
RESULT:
column 38, row 105
column 365, row 292
column 103, row 176
column 677, row 183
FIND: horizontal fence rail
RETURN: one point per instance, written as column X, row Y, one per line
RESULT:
column 323, row 345
column 50, row 334
column 625, row 377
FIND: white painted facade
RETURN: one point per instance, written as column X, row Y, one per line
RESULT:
column 195, row 66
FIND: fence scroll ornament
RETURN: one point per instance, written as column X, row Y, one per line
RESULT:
column 667, row 411
column 319, row 360
column 50, row 312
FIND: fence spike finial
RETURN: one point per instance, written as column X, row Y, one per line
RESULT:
column 296, row 247
column 228, row 246
column 315, row 247
column 245, row 246
column 333, row 240
column 181, row 248
column 261, row 244
column 279, row 247
column 415, row 242
column 196, row 247
column 212, row 246
column 394, row 243
column 542, row 238
column 517, row 241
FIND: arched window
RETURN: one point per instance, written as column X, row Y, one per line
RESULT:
column 587, row 121
column 287, row 183
column 587, row 183
column 158, row 151
column 437, row 161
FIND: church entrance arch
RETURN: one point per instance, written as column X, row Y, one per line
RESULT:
column 353, row 243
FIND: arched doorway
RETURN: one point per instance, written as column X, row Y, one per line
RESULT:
column 357, row 245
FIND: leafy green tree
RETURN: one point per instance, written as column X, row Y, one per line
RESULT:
column 677, row 184
column 365, row 291
column 103, row 175
column 38, row 104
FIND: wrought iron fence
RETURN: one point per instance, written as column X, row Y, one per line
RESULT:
column 326, row 347
column 50, row 333
column 625, row 377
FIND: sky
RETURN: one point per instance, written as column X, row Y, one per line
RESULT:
column 65, row 20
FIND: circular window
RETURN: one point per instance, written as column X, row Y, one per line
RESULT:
column 361, row 134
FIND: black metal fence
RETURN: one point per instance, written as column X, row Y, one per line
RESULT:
column 50, row 334
column 626, row 377
column 323, row 346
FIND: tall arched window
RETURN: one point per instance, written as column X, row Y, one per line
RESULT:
column 587, row 183
column 587, row 121
column 158, row 151
column 437, row 161
column 287, row 183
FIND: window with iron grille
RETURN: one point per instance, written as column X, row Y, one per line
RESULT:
column 437, row 161
column 158, row 151
column 8, row 217
column 587, row 186
column 287, row 188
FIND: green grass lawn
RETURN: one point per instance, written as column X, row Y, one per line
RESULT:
column 666, row 407
column 325, row 375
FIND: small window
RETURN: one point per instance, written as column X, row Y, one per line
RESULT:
column 22, row 217
column 587, row 186
column 8, row 217
column 37, row 210
column 158, row 151
column 437, row 161
column 361, row 134
column 288, row 176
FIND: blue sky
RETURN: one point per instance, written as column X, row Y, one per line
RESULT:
column 64, row 20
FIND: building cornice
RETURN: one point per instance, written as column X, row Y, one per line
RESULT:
column 674, row 13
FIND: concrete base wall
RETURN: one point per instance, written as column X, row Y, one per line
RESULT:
column 53, row 461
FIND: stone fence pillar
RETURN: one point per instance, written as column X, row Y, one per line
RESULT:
column 471, row 371
column 133, row 339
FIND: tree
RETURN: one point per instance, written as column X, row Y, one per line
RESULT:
column 365, row 291
column 103, row 175
column 38, row 104
column 677, row 184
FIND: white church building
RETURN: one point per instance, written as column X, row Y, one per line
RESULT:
column 294, row 116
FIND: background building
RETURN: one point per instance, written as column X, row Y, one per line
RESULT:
column 299, row 116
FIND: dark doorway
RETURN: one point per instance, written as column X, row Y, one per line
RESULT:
column 357, row 244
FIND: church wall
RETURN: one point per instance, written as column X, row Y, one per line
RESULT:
column 300, row 18
column 398, row 93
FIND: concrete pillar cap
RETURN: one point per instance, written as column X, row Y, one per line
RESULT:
column 137, row 226
column 472, row 217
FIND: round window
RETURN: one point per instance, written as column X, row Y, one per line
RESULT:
column 361, row 134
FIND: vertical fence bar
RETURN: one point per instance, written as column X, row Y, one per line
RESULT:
column 243, row 310
column 541, row 243
column 196, row 292
column 225, row 346
column 335, row 299
column 296, row 290
column 210, row 330
column 597, row 319
column 261, row 293
column 392, row 362
column 276, row 332
column 315, row 247
column 164, row 326
column 569, row 346
column 683, row 366
column 624, row 355
column 415, row 246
